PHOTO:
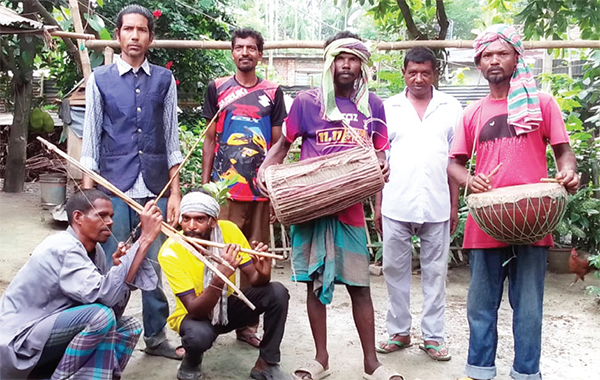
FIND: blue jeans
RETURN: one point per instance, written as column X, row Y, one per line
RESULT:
column 525, row 270
column 155, row 307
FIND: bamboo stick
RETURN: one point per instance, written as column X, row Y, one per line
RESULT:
column 395, row 45
column 220, row 245
column 187, row 157
column 549, row 180
column 165, row 228
column 495, row 170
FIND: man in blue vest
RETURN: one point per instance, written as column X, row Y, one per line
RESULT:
column 131, row 138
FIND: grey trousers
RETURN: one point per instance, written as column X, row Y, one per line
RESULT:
column 397, row 256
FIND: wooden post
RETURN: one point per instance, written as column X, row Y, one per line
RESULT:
column 109, row 54
column 73, row 142
column 86, row 67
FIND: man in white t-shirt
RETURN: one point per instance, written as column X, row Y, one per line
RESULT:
column 417, row 202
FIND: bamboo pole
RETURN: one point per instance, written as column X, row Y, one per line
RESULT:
column 80, row 36
column 396, row 45
column 165, row 228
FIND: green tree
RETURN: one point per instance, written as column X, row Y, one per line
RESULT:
column 556, row 18
column 185, row 20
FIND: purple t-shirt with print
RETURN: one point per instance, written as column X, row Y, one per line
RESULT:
column 321, row 137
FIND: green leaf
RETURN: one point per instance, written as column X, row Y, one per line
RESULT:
column 25, row 58
column 100, row 3
column 105, row 35
column 95, row 22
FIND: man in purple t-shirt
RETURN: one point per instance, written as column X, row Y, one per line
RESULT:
column 317, row 116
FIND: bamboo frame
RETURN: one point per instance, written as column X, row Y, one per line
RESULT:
column 396, row 45
column 165, row 228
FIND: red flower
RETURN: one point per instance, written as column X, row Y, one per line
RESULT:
column 168, row 65
column 157, row 13
column 177, row 82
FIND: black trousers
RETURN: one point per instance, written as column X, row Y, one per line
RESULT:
column 271, row 300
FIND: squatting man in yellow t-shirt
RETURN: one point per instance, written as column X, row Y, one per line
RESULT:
column 204, row 309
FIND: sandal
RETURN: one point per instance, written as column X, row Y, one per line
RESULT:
column 382, row 373
column 314, row 369
column 272, row 372
column 437, row 348
column 164, row 349
column 391, row 342
column 250, row 338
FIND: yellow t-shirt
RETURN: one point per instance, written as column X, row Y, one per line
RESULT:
column 185, row 272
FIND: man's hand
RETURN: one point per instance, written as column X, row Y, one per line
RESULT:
column 453, row 220
column 272, row 214
column 480, row 183
column 261, row 264
column 173, row 204
column 378, row 220
column 569, row 179
column 230, row 255
column 261, row 183
column 121, row 251
column 385, row 169
column 151, row 219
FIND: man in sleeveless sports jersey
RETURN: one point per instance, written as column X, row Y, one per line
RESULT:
column 251, row 110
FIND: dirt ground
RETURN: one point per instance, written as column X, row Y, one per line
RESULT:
column 570, row 338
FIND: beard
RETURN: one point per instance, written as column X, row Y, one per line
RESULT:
column 497, row 77
column 246, row 69
column 198, row 234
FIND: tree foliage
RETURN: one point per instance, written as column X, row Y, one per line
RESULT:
column 556, row 18
column 184, row 20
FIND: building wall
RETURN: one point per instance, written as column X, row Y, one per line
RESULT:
column 301, row 70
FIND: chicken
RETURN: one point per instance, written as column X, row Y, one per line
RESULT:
column 580, row 265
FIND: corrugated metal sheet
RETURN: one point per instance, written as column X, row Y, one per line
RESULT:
column 10, row 22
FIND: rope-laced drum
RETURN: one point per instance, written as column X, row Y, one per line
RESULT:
column 520, row 214
column 323, row 185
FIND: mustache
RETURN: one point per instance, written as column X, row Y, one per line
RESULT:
column 194, row 234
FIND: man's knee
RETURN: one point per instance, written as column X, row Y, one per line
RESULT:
column 197, row 337
column 360, row 295
column 279, row 292
column 130, row 325
column 103, row 319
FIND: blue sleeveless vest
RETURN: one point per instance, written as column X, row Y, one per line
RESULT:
column 133, row 136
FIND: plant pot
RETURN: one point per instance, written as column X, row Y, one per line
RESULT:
column 558, row 260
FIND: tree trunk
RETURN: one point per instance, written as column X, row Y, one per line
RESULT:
column 14, row 176
column 22, row 86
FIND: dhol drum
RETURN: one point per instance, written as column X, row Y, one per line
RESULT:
column 324, row 185
column 520, row 214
